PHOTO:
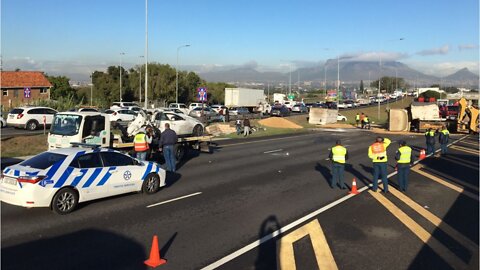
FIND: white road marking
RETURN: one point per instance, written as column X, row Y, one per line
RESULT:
column 276, row 233
column 176, row 199
column 273, row 151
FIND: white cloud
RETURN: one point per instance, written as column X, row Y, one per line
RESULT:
column 435, row 51
column 373, row 56
column 442, row 69
column 467, row 47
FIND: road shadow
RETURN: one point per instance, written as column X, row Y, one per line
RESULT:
column 357, row 174
column 325, row 171
column 171, row 178
column 166, row 246
column 86, row 249
column 267, row 251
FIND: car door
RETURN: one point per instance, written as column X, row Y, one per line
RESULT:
column 90, row 176
column 176, row 122
column 126, row 172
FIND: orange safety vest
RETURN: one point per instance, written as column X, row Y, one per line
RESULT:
column 140, row 143
column 378, row 150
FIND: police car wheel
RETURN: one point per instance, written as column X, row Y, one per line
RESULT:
column 151, row 183
column 65, row 201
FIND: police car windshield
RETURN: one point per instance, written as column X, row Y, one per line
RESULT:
column 66, row 124
column 43, row 161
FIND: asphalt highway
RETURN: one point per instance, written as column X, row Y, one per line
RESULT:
column 219, row 203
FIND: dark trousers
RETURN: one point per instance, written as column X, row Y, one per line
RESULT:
column 430, row 148
column 169, row 155
column 380, row 170
column 444, row 148
column 403, row 172
column 337, row 174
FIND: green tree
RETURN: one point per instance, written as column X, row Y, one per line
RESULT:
column 390, row 83
column 61, row 87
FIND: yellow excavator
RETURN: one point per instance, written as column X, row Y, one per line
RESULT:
column 467, row 117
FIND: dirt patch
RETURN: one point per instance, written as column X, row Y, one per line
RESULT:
column 337, row 125
column 278, row 122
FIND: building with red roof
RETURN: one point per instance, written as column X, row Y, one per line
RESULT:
column 23, row 87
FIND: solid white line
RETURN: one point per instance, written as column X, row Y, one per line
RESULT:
column 284, row 229
column 176, row 199
column 273, row 151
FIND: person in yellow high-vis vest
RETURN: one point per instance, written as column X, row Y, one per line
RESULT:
column 443, row 138
column 141, row 144
column 404, row 160
column 357, row 119
column 338, row 155
column 378, row 153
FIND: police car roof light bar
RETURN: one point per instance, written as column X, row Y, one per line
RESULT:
column 85, row 145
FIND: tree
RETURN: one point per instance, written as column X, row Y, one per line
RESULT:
column 390, row 83
column 61, row 87
column 431, row 94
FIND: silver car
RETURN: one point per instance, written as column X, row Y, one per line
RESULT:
column 207, row 112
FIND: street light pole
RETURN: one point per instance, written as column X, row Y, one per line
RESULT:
column 140, row 82
column 122, row 53
column 338, row 79
column 91, row 89
column 176, row 88
column 146, row 54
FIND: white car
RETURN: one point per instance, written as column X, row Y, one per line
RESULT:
column 121, row 114
column 118, row 105
column 180, row 123
column 178, row 107
column 194, row 105
column 341, row 118
column 217, row 108
column 62, row 178
column 30, row 118
column 342, row 106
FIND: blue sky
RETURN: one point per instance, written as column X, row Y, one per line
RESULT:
column 77, row 37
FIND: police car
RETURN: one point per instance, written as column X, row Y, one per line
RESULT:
column 61, row 178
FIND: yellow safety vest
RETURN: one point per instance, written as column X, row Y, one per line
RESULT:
column 405, row 154
column 357, row 117
column 339, row 153
column 430, row 133
column 445, row 132
column 365, row 119
column 140, row 142
column 379, row 149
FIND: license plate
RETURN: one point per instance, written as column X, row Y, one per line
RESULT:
column 10, row 181
column 11, row 116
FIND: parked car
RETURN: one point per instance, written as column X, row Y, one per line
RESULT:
column 280, row 111
column 207, row 112
column 182, row 124
column 30, row 117
column 289, row 104
column 3, row 123
column 64, row 177
column 217, row 108
column 341, row 118
column 87, row 110
column 342, row 106
column 121, row 114
column 178, row 107
column 238, row 111
column 118, row 105
column 194, row 105
column 300, row 108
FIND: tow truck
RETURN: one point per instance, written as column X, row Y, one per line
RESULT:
column 96, row 128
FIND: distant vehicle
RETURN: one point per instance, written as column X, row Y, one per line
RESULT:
column 179, row 106
column 342, row 105
column 217, row 108
column 30, row 118
column 349, row 103
column 207, row 112
column 300, row 108
column 118, row 105
column 62, row 178
column 194, row 105
column 289, row 104
column 238, row 111
column 87, row 110
column 280, row 111
column 3, row 123
column 341, row 118
column 121, row 114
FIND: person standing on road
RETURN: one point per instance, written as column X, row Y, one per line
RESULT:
column 246, row 127
column 378, row 153
column 366, row 122
column 238, row 126
column 167, row 143
column 357, row 119
column 430, row 141
column 362, row 120
column 404, row 160
column 443, row 138
column 141, row 144
column 222, row 116
column 338, row 155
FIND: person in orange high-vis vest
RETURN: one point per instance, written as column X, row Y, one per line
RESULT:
column 141, row 144
column 378, row 153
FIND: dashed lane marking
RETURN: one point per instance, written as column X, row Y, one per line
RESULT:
column 321, row 249
column 471, row 143
column 435, row 220
column 273, row 151
column 463, row 149
column 420, row 232
column 456, row 188
column 461, row 163
column 175, row 199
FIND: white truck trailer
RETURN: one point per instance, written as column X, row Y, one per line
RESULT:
column 253, row 99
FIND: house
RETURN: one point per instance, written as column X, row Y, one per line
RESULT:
column 23, row 88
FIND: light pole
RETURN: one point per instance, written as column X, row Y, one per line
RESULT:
column 176, row 88
column 140, row 82
column 338, row 74
column 146, row 54
column 121, row 54
column 325, row 79
column 91, row 89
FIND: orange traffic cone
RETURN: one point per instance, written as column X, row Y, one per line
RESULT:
column 422, row 154
column 155, row 259
column 354, row 187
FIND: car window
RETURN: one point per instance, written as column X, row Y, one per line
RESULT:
column 36, row 111
column 174, row 117
column 161, row 116
column 91, row 160
column 50, row 111
column 109, row 111
column 66, row 124
column 111, row 159
column 16, row 111
column 183, row 106
column 43, row 161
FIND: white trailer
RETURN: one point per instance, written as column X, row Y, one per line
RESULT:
column 244, row 97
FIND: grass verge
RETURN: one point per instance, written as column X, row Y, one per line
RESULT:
column 23, row 145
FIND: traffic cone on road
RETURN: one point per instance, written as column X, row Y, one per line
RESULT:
column 354, row 187
column 155, row 259
column 422, row 154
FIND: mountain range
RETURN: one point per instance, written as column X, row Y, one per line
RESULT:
column 351, row 73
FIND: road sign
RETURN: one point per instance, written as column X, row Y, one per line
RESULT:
column 27, row 92
column 202, row 94
column 291, row 96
